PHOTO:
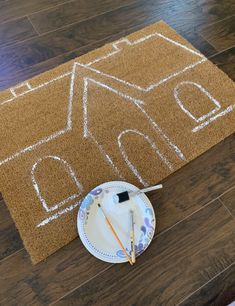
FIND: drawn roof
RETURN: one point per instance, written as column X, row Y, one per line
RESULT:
column 118, row 53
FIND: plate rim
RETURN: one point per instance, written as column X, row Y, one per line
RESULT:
column 80, row 227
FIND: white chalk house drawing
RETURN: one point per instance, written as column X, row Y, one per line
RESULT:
column 207, row 118
column 91, row 75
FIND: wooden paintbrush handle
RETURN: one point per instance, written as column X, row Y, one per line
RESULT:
column 118, row 240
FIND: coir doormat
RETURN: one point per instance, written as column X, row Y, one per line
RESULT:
column 137, row 109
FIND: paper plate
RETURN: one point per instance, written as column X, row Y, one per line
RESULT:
column 95, row 233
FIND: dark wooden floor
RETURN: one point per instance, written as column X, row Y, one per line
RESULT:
column 191, row 259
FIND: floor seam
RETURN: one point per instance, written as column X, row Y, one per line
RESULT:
column 84, row 283
column 86, row 19
column 220, row 52
column 227, row 209
column 218, row 21
column 213, row 278
column 9, row 256
column 156, row 236
column 45, row 9
column 30, row 21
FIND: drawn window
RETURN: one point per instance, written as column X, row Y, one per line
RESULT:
column 187, row 94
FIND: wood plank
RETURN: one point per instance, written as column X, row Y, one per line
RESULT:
column 24, row 284
column 219, row 292
column 200, row 43
column 15, row 31
column 199, row 182
column 93, row 30
column 10, row 241
column 228, row 200
column 75, row 12
column 221, row 34
column 30, row 71
column 226, row 61
column 12, row 9
column 193, row 186
column 72, row 12
column 184, row 192
column 176, row 264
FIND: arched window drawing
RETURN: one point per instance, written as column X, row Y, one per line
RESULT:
column 189, row 86
column 67, row 171
column 153, row 147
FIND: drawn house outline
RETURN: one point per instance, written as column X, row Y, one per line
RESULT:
column 88, row 66
column 116, row 49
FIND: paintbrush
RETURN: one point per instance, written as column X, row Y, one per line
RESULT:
column 132, row 236
column 125, row 195
column 115, row 234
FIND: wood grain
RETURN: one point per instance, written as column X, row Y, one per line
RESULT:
column 16, row 31
column 226, row 62
column 201, row 181
column 176, row 264
column 14, row 77
column 24, row 284
column 181, row 259
column 10, row 241
column 184, row 192
column 12, row 9
column 228, row 200
column 199, row 43
column 98, row 28
column 221, row 34
column 75, row 12
column 72, row 12
column 219, row 292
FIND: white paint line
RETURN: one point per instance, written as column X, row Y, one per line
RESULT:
column 85, row 111
column 69, row 122
column 139, row 87
column 24, row 84
column 204, row 91
column 69, row 171
column 138, row 103
column 107, row 157
column 175, row 74
column 172, row 146
column 206, row 283
column 70, row 104
column 153, row 146
column 35, row 88
column 52, row 136
column 33, row 146
column 58, row 214
column 140, row 40
column 85, row 100
column 221, row 114
column 13, row 92
column 102, row 57
column 181, row 45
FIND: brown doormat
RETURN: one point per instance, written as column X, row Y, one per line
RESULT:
column 137, row 110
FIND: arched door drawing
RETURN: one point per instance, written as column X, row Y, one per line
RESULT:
column 70, row 176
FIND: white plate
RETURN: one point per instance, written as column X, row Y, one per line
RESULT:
column 95, row 233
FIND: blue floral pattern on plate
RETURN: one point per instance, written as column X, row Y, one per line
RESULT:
column 145, row 231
